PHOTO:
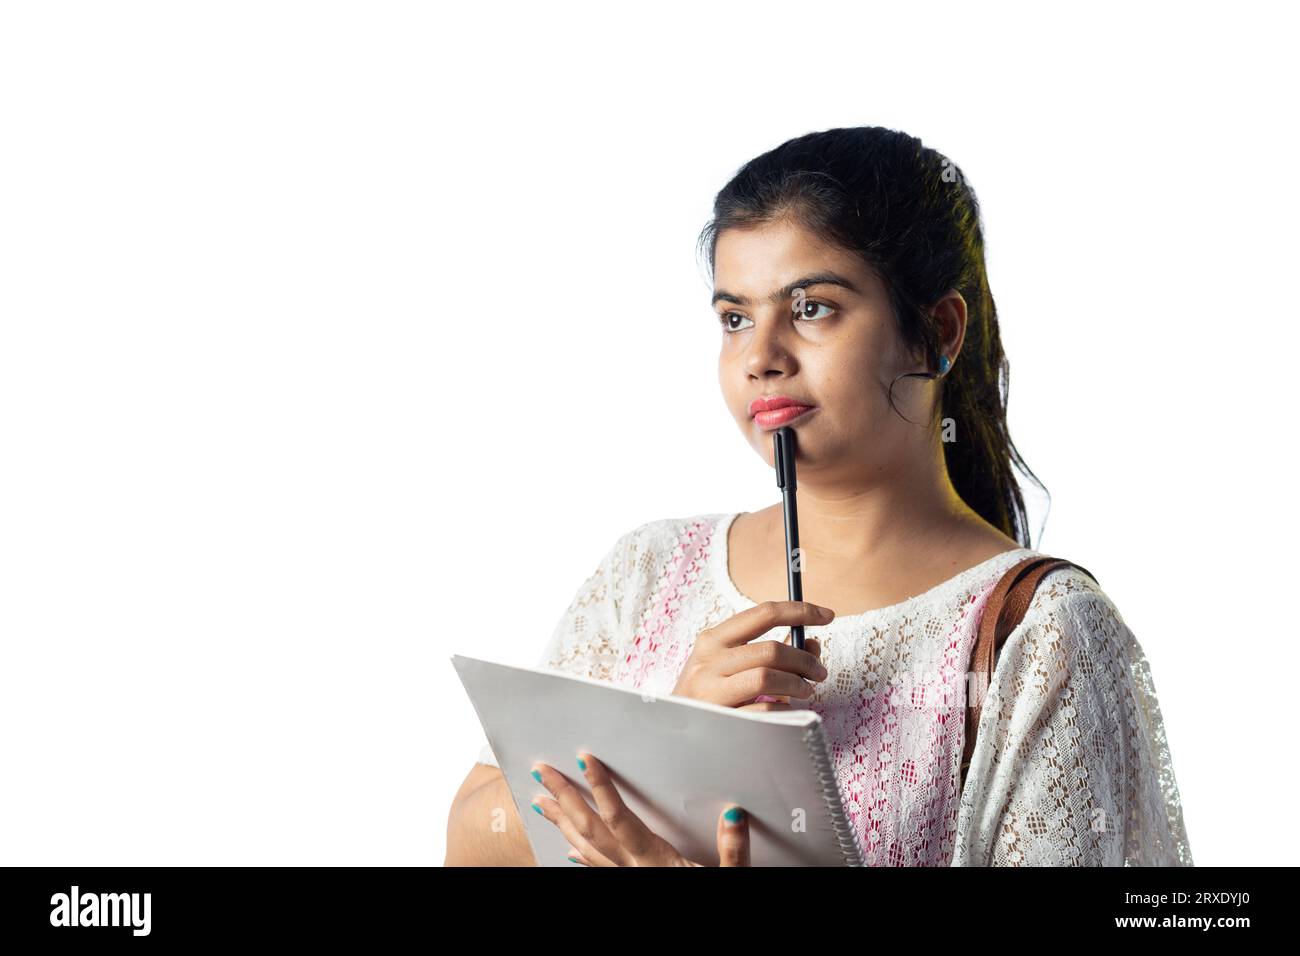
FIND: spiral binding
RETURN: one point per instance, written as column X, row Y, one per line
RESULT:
column 845, row 834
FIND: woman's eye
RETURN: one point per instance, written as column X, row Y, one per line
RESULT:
column 815, row 305
column 725, row 319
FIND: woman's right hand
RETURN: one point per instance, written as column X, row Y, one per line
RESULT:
column 726, row 668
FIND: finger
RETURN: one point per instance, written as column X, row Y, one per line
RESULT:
column 630, row 831
column 766, row 705
column 548, row 808
column 775, row 654
column 575, row 856
column 575, row 819
column 758, row 620
column 767, row 670
column 588, row 855
column 810, row 644
column 763, row 681
column 733, row 837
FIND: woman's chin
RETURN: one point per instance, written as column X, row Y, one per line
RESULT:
column 806, row 455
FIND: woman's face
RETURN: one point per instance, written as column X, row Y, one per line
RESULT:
column 838, row 354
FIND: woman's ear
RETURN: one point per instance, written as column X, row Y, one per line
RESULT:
column 950, row 315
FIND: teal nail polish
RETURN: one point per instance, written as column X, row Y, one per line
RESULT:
column 537, row 775
column 574, row 859
column 582, row 765
column 734, row 815
column 538, row 809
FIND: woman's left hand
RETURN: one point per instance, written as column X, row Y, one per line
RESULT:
column 612, row 835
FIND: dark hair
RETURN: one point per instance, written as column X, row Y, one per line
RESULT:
column 910, row 214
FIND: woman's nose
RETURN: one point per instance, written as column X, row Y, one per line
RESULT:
column 769, row 349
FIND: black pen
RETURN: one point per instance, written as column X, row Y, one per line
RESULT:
column 783, row 456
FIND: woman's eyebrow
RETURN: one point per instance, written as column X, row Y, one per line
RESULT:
column 780, row 295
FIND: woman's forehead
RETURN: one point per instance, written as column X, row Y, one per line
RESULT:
column 758, row 263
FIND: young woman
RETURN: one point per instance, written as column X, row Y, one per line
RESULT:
column 853, row 305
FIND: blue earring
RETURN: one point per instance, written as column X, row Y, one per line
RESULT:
column 944, row 364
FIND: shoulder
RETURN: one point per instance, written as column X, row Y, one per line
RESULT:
column 636, row 565
column 664, row 537
column 1071, row 604
column 677, row 547
column 1072, row 632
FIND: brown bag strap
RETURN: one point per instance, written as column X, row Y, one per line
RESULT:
column 1004, row 611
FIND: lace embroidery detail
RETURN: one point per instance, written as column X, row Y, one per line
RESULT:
column 898, row 763
column 657, row 645
column 1071, row 765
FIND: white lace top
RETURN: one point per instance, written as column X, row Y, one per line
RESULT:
column 1071, row 766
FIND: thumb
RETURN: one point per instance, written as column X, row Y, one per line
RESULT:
column 733, row 837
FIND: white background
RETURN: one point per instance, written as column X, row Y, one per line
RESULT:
column 342, row 337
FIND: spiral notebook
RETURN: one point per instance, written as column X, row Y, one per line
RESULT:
column 676, row 761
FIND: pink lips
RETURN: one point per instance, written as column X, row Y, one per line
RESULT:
column 773, row 411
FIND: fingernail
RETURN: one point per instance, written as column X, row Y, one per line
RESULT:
column 734, row 817
column 574, row 859
column 538, row 809
column 537, row 775
column 822, row 673
column 582, row 764
column 827, row 612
